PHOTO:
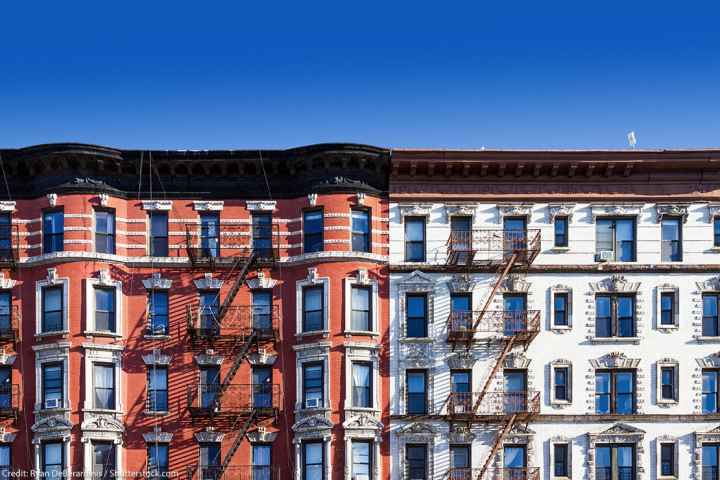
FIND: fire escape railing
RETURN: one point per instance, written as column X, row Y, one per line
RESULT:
column 227, row 243
column 10, row 324
column 520, row 473
column 463, row 326
column 492, row 247
column 205, row 399
column 238, row 321
column 9, row 245
column 234, row 472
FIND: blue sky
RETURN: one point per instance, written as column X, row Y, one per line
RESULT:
column 505, row 74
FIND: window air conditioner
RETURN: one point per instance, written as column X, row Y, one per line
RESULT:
column 52, row 403
column 312, row 403
column 605, row 255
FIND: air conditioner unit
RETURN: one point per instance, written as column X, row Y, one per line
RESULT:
column 606, row 255
column 312, row 403
column 52, row 403
column 459, row 408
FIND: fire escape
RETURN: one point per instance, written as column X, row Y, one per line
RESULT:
column 236, row 331
column 9, row 321
column 503, row 252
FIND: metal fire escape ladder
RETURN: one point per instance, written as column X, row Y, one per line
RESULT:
column 498, row 282
column 496, row 446
column 241, row 276
column 238, row 440
column 509, row 342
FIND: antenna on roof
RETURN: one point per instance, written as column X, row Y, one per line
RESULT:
column 632, row 140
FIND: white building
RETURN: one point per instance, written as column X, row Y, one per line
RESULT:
column 595, row 356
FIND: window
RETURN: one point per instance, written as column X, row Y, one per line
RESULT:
column 52, row 385
column 416, row 457
column 667, row 308
column 362, row 385
column 262, row 387
column 667, row 460
column 360, row 230
column 460, row 460
column 313, row 309
column 361, row 313
column 716, row 231
column 210, row 461
column 210, row 234
column 460, row 381
column 157, row 389
column 5, row 461
column 667, row 383
column 105, row 310
column 158, row 234
column 313, row 231
column 671, row 245
column 313, row 385
column 710, row 391
column 53, row 228
column 313, row 460
column 262, row 234
column 416, row 392
column 52, row 309
column 561, row 231
column 209, row 310
column 6, row 237
column 5, row 312
column 561, row 303
column 616, row 236
column 104, row 231
column 262, row 310
column 615, row 316
column 615, row 392
column 562, row 380
column 417, row 313
column 104, row 379
column 710, row 461
column 461, row 311
column 158, row 307
column 209, row 385
column 158, row 459
column 561, row 460
column 414, row 239
column 261, row 462
column 615, row 461
column 52, row 460
column 103, row 466
column 515, row 461
column 710, row 325
column 362, row 460
column 6, row 392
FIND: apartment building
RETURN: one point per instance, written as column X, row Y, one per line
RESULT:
column 554, row 314
column 205, row 314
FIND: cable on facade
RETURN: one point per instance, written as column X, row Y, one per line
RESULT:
column 7, row 186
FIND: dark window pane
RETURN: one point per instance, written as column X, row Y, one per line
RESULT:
column 561, row 309
column 710, row 315
column 561, row 231
column 158, row 312
column 210, row 234
column 671, row 246
column 52, row 320
column 313, row 385
column 105, row 309
column 360, row 309
column 560, row 456
column 667, row 308
column 362, row 385
column 313, row 231
column 414, row 239
column 416, row 316
column 159, row 234
column 262, row 233
column 416, row 392
column 603, row 320
column 667, row 459
column 104, row 232
column 53, row 228
column 313, row 309
column 158, row 389
column 361, row 231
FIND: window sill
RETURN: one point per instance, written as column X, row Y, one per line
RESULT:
column 311, row 411
column 57, row 333
column 561, row 328
column 360, row 333
column 156, row 337
column 324, row 333
column 88, row 333
column 667, row 403
column 103, row 411
column 372, row 411
column 156, row 413
column 620, row 340
column 560, row 249
column 702, row 339
column 560, row 403
column 51, row 411
column 668, row 328
column 416, row 340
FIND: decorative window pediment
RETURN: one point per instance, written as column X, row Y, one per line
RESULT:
column 260, row 205
column 622, row 429
column 209, row 436
column 261, row 281
column 709, row 285
column 461, row 360
column 461, row 283
column 157, row 205
column 672, row 210
column 157, row 358
column 52, row 424
column 417, row 281
column 415, row 210
column 713, row 211
column 363, row 421
column 7, row 206
column 261, row 435
column 460, row 434
column 208, row 205
column 157, row 436
column 208, row 282
column 711, row 361
column 560, row 210
column 157, row 282
column 464, row 210
column 102, row 423
column 514, row 283
column 312, row 423
column 208, row 359
column 52, row 199
column 262, row 358
column 514, row 210
column 615, row 360
column 418, row 429
column 6, row 283
column 516, row 360
column 615, row 283
column 616, row 210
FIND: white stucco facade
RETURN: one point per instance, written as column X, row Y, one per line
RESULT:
column 576, row 272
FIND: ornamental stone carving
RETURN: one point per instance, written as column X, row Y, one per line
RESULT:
column 261, row 281
column 416, row 355
column 615, row 360
column 514, row 210
column 52, row 424
column 156, row 282
column 415, row 210
column 462, row 210
column 460, row 434
column 209, row 436
column 618, row 433
column 104, row 199
column 417, row 430
column 313, row 424
column 7, row 206
column 515, row 283
column 709, row 285
column 516, row 360
column 628, row 209
column 560, row 210
column 208, row 205
column 713, row 211
column 461, row 360
column 312, row 276
column 157, row 205
column 672, row 210
column 261, row 435
column 360, row 198
column 461, row 283
column 209, row 358
column 208, row 282
column 102, row 423
column 156, row 358
column 52, row 199
column 615, row 283
column 6, row 283
column 157, row 436
column 312, row 199
column 263, row 357
column 52, row 276
column 261, row 205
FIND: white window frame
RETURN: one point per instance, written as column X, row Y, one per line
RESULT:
column 311, row 353
column 554, row 365
column 667, row 288
column 103, row 281
column 664, row 439
column 299, row 446
column 52, row 280
column 58, row 352
column 362, row 353
column 560, row 441
column 312, row 280
column 49, row 438
column 106, row 354
column 89, row 453
column 375, row 451
column 563, row 289
column 667, row 362
column 362, row 280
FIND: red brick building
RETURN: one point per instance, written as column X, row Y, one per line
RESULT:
column 215, row 314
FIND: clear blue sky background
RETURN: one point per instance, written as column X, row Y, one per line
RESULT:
column 442, row 74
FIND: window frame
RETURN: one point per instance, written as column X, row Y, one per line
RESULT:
column 114, row 391
column 305, row 443
column 565, row 241
column 370, row 314
column 566, row 385
column 370, row 390
column 112, row 314
column 43, row 455
column 679, row 221
column 566, row 301
column 424, row 373
column 663, row 310
column 306, row 236
column 423, row 221
column 152, row 314
column 109, row 238
column 426, row 314
column 43, row 292
column 716, row 231
column 152, row 237
column 425, row 458
column 716, row 372
column 6, row 469
column 614, row 317
column 305, row 289
column 44, row 390
column 613, row 457
column 113, row 454
column 268, row 468
column 48, row 239
column 665, row 386
column 716, row 318
column 371, row 456
column 209, row 250
column 662, row 460
column 565, row 460
column 304, row 388
column 160, row 469
column 614, row 221
column 154, row 403
column 612, row 395
column 367, row 236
